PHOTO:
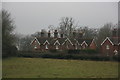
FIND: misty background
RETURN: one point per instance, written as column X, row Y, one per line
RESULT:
column 31, row 17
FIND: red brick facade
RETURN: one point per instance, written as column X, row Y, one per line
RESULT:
column 110, row 48
column 93, row 45
column 64, row 44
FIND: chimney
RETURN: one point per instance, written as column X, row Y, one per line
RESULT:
column 61, row 35
column 49, row 34
column 55, row 34
column 114, row 33
column 42, row 34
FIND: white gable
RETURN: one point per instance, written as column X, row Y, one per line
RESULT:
column 84, row 43
column 107, row 38
column 67, row 40
column 34, row 40
column 56, row 42
column 46, row 42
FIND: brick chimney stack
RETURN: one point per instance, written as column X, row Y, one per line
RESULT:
column 55, row 34
column 42, row 34
column 61, row 35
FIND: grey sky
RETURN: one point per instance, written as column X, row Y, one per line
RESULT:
column 30, row 17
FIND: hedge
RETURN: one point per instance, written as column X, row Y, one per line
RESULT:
column 67, row 56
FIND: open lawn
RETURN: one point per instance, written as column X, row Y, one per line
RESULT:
column 58, row 68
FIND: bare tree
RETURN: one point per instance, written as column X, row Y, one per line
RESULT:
column 67, row 25
column 105, row 31
column 89, row 32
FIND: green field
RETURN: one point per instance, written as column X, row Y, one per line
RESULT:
column 58, row 68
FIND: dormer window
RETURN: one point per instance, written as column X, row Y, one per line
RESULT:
column 57, row 47
column 84, row 46
column 107, row 47
column 46, row 46
column 75, row 46
column 67, row 47
column 35, row 47
column 115, row 52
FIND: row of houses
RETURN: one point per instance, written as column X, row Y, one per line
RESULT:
column 61, row 43
column 110, row 46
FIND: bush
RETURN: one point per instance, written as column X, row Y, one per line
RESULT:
column 9, row 51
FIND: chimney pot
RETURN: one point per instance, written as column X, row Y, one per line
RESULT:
column 55, row 34
column 42, row 34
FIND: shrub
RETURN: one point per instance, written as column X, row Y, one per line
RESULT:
column 9, row 51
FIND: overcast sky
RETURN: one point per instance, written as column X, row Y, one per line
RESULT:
column 30, row 17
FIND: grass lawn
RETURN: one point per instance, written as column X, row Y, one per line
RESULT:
column 58, row 68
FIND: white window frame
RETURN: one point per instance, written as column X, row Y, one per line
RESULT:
column 116, row 52
column 84, row 46
column 76, row 46
column 67, row 47
column 107, row 47
column 35, row 47
column 57, row 47
column 46, row 46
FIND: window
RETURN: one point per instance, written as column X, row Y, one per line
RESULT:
column 84, row 46
column 46, row 46
column 75, row 46
column 35, row 47
column 115, row 52
column 107, row 47
column 57, row 47
column 67, row 47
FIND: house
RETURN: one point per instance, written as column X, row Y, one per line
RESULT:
column 111, row 45
column 61, row 43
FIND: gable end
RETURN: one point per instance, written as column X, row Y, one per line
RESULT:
column 34, row 40
column 83, row 43
column 46, row 42
column 107, row 38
